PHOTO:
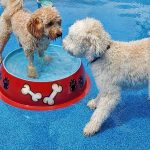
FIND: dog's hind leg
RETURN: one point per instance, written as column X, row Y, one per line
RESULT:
column 107, row 102
column 5, row 31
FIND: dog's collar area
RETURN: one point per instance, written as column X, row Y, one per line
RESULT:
column 95, row 59
column 98, row 57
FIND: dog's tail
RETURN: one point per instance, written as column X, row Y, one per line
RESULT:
column 11, row 7
column 3, row 2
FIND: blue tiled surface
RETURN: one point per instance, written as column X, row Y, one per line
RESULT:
column 128, row 126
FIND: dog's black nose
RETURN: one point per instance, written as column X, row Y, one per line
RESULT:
column 59, row 34
column 71, row 53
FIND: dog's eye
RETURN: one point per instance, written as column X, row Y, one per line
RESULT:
column 50, row 24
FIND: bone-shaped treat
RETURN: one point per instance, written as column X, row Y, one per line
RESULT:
column 35, row 96
column 56, row 89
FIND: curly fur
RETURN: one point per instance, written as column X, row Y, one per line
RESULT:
column 5, row 31
column 34, row 30
column 4, row 2
column 11, row 6
column 122, row 64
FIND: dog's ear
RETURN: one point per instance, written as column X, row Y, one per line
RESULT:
column 35, row 27
column 99, row 43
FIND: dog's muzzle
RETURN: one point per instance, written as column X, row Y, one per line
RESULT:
column 59, row 34
column 55, row 35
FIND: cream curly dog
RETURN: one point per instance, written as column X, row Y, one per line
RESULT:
column 113, row 64
column 34, row 30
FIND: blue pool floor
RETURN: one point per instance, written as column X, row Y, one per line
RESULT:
column 128, row 126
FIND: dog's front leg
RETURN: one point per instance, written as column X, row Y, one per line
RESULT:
column 31, row 69
column 107, row 101
column 41, row 53
column 44, row 57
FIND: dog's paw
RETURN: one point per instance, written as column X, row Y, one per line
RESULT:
column 92, row 104
column 32, row 72
column 47, row 58
column 90, row 129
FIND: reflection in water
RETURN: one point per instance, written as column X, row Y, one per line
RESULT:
column 141, row 15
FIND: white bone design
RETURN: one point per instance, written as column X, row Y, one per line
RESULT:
column 56, row 89
column 35, row 96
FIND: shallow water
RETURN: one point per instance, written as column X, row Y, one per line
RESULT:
column 61, row 65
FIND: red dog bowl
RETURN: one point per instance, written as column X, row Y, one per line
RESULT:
column 46, row 92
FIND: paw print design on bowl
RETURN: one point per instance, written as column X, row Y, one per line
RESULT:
column 81, row 82
column 73, row 85
column 5, row 83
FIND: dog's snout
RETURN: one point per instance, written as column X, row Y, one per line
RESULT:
column 71, row 53
column 59, row 34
